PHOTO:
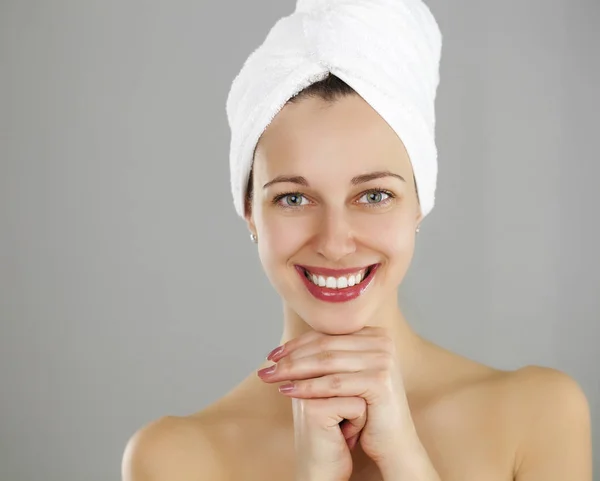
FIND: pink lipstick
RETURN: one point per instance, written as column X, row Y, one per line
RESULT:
column 330, row 294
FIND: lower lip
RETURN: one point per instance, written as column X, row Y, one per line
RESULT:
column 337, row 295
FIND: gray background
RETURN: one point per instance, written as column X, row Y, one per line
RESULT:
column 129, row 289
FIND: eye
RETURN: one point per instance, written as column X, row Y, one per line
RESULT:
column 292, row 199
column 375, row 196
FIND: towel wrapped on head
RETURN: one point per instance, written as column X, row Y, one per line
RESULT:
column 388, row 51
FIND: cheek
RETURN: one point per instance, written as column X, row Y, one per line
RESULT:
column 399, row 237
column 280, row 238
column 391, row 234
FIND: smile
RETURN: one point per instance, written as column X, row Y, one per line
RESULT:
column 337, row 285
column 341, row 282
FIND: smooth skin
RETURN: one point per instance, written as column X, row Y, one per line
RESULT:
column 409, row 409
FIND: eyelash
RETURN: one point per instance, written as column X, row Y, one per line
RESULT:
column 369, row 205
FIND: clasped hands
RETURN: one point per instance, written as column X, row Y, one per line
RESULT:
column 362, row 364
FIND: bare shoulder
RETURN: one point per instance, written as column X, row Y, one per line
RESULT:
column 544, row 396
column 537, row 382
column 181, row 448
column 553, row 417
column 538, row 416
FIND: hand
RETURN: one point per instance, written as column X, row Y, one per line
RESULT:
column 325, row 430
column 362, row 364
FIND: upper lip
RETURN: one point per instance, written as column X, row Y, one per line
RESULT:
column 324, row 271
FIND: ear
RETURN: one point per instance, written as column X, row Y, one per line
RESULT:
column 419, row 216
column 250, row 220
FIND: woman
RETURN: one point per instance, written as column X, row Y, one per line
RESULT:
column 334, row 193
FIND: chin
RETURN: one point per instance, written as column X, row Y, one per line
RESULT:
column 336, row 318
column 337, row 330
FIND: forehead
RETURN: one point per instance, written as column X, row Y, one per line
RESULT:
column 314, row 136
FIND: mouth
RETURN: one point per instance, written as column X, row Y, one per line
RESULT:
column 337, row 285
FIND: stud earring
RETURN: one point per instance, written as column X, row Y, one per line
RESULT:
column 418, row 228
column 253, row 238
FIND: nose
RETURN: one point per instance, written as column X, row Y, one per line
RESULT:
column 335, row 239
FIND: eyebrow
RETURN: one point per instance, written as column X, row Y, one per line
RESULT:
column 359, row 179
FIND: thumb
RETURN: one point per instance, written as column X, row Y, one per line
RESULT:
column 351, row 428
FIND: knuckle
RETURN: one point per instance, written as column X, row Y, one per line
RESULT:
column 323, row 343
column 335, row 382
column 381, row 377
column 306, row 386
column 326, row 356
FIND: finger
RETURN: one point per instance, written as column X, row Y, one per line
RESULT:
column 351, row 426
column 314, row 337
column 336, row 410
column 347, row 342
column 329, row 413
column 351, row 430
column 373, row 386
column 324, row 363
column 293, row 344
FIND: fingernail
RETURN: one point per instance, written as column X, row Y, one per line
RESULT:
column 286, row 388
column 267, row 370
column 275, row 352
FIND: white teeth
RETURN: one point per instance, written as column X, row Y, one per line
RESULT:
column 341, row 282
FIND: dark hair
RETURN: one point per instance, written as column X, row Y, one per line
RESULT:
column 330, row 89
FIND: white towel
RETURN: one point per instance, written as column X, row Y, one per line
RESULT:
column 388, row 51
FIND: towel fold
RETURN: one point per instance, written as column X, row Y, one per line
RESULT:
column 388, row 51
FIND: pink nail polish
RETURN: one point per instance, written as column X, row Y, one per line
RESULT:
column 274, row 353
column 286, row 388
column 267, row 370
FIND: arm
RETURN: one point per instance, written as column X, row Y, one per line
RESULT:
column 170, row 449
column 556, row 436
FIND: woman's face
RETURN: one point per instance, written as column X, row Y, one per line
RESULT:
column 333, row 203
